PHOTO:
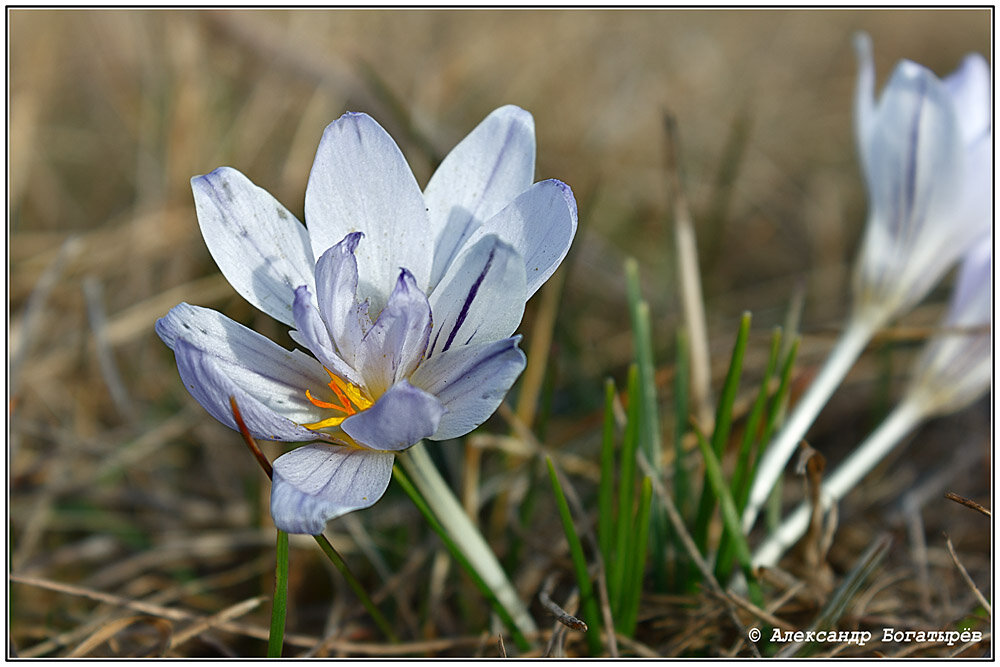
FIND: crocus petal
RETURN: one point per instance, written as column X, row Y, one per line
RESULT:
column 954, row 368
column 470, row 382
column 261, row 248
column 482, row 297
column 312, row 332
column 969, row 87
column 218, row 357
column 212, row 386
column 913, row 164
column 337, row 286
column 864, row 94
column 540, row 225
column 482, row 174
column 399, row 419
column 396, row 343
column 316, row 483
column 360, row 182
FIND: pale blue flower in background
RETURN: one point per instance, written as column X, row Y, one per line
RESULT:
column 926, row 155
column 955, row 367
column 926, row 148
column 406, row 300
column 953, row 370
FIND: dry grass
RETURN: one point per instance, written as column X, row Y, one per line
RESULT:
column 138, row 525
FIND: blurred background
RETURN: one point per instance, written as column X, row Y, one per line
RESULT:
column 120, row 484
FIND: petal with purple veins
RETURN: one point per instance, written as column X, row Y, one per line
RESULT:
column 481, row 299
column 540, row 224
column 396, row 343
column 336, row 291
column 312, row 333
column 261, row 248
column 316, row 483
column 217, row 357
column 490, row 167
column 470, row 382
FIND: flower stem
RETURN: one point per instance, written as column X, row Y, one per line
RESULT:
column 321, row 540
column 465, row 535
column 359, row 590
column 903, row 419
column 280, row 602
column 852, row 342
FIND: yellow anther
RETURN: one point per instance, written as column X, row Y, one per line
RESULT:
column 350, row 401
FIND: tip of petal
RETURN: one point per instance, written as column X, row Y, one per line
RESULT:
column 406, row 281
column 567, row 193
column 863, row 46
column 514, row 112
column 351, row 240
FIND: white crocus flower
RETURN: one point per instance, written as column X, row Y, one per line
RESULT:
column 952, row 371
column 406, row 300
column 926, row 155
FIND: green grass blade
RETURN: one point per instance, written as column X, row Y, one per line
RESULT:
column 642, row 337
column 740, row 484
column 403, row 480
column 775, row 415
column 730, row 518
column 723, row 422
column 626, row 492
column 681, row 387
column 279, row 604
column 588, row 603
column 641, row 529
column 674, row 579
column 606, row 489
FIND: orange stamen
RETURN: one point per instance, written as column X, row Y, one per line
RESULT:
column 351, row 401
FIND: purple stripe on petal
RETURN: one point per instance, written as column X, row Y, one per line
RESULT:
column 481, row 299
column 470, row 297
column 482, row 174
column 540, row 225
column 470, row 382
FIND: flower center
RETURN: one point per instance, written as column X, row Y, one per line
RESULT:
column 350, row 401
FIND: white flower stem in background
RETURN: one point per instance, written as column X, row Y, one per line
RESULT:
column 852, row 342
column 463, row 532
column 903, row 419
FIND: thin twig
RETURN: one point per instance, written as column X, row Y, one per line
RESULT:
column 227, row 614
column 108, row 630
column 560, row 614
column 169, row 613
column 762, row 614
column 968, row 580
column 22, row 338
column 968, row 503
